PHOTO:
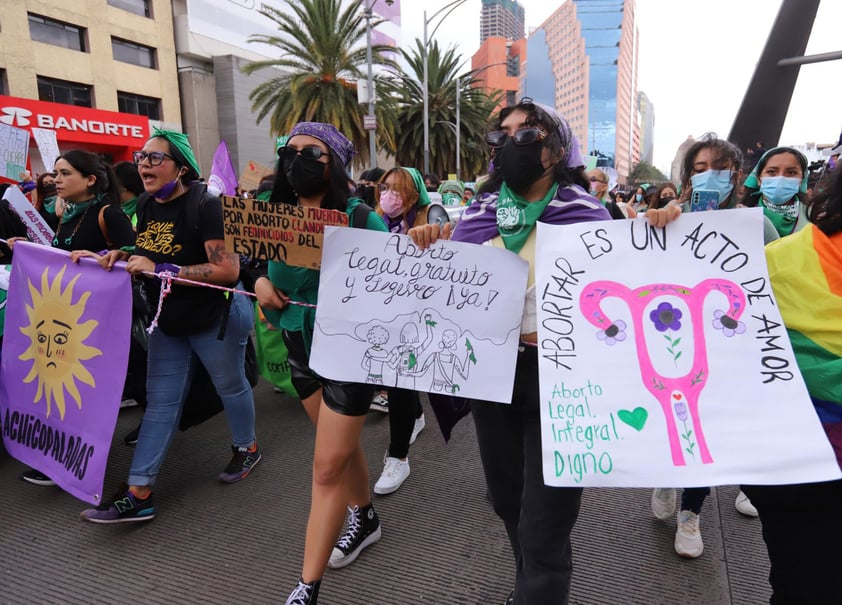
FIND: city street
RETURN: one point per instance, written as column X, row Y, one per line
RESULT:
column 242, row 544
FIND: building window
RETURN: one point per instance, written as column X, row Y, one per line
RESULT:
column 42, row 29
column 62, row 91
column 129, row 52
column 139, row 105
column 138, row 7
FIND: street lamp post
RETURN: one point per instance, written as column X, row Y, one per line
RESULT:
column 372, row 132
column 450, row 7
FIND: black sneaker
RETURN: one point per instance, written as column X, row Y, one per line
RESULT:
column 242, row 462
column 131, row 437
column 510, row 600
column 306, row 593
column 363, row 530
column 124, row 508
column 36, row 478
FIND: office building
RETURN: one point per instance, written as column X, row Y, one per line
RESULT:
column 501, row 19
column 583, row 61
column 498, row 66
column 646, row 120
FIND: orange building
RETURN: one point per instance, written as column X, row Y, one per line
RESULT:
column 500, row 61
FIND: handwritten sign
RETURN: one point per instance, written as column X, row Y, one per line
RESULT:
column 14, row 147
column 37, row 229
column 252, row 175
column 664, row 361
column 443, row 320
column 47, row 143
column 268, row 231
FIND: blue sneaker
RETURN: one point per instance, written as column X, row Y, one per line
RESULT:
column 242, row 463
column 124, row 508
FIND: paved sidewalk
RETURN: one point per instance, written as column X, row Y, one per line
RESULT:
column 442, row 544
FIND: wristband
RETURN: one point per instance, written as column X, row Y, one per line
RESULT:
column 167, row 268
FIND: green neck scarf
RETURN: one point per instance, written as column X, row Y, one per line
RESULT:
column 130, row 208
column 516, row 217
column 50, row 204
column 74, row 209
column 783, row 217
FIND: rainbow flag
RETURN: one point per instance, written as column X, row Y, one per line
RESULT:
column 806, row 273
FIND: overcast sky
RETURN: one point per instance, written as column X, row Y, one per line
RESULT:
column 696, row 60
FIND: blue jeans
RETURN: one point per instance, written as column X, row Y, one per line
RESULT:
column 168, row 381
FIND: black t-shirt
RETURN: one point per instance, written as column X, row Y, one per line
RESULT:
column 83, row 231
column 165, row 235
column 10, row 226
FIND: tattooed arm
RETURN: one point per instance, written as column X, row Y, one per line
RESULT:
column 222, row 267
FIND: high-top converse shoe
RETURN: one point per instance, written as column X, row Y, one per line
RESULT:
column 363, row 529
column 306, row 593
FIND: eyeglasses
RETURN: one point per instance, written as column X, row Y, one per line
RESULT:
column 288, row 154
column 522, row 136
column 155, row 158
column 596, row 179
column 384, row 187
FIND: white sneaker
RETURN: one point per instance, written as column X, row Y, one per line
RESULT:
column 744, row 505
column 380, row 403
column 420, row 423
column 688, row 538
column 395, row 472
column 663, row 502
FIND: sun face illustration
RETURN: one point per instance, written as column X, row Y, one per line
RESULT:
column 57, row 342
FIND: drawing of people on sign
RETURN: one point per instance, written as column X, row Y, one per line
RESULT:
column 445, row 319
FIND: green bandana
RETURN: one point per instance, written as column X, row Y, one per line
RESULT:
column 129, row 209
column 783, row 216
column 73, row 209
column 50, row 204
column 181, row 150
column 516, row 217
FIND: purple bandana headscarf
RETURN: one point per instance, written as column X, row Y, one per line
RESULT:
column 330, row 136
column 568, row 139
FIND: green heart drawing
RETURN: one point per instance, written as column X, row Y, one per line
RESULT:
column 635, row 419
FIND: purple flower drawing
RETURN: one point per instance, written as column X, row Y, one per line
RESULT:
column 666, row 317
column 728, row 325
column 681, row 411
column 613, row 334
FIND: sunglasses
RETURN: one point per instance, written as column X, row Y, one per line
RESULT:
column 288, row 154
column 522, row 136
column 595, row 179
column 156, row 158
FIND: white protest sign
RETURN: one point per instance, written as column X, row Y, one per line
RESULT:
column 37, row 228
column 442, row 320
column 663, row 359
column 47, row 146
column 14, row 147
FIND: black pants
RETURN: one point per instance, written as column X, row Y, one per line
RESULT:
column 404, row 408
column 538, row 518
column 803, row 535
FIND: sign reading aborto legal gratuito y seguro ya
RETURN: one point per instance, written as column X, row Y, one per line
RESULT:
column 663, row 359
column 445, row 319
column 279, row 232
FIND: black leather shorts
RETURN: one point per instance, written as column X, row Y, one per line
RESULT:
column 347, row 398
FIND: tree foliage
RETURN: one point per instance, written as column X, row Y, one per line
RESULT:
column 646, row 172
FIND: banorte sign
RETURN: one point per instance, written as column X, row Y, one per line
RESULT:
column 76, row 124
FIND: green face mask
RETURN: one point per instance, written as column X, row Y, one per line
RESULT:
column 450, row 199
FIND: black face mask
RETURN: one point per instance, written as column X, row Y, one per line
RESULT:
column 520, row 165
column 368, row 195
column 307, row 177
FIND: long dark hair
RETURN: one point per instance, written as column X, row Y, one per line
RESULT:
column 537, row 117
column 336, row 196
column 43, row 191
column 129, row 177
column 825, row 209
column 90, row 164
column 723, row 149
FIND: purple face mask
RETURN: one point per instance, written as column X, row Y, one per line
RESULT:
column 168, row 189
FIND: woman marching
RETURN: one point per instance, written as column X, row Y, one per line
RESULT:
column 180, row 231
column 538, row 175
column 403, row 202
column 311, row 173
column 778, row 184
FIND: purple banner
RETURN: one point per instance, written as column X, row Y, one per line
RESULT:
column 390, row 13
column 63, row 365
column 223, row 176
column 378, row 37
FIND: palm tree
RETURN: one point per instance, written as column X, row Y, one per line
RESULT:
column 322, row 56
column 476, row 109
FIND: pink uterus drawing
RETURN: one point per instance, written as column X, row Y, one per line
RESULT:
column 677, row 395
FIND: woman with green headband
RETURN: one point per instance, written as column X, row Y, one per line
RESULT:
column 777, row 184
column 180, row 234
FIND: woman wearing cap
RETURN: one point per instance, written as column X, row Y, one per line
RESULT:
column 193, row 320
column 311, row 173
column 778, row 183
column 538, row 175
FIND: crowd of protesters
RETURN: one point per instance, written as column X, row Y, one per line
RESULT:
column 113, row 214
